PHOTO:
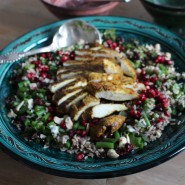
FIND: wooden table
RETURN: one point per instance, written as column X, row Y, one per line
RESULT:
column 20, row 16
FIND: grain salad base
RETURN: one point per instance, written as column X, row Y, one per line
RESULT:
column 33, row 113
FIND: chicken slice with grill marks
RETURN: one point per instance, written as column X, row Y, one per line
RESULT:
column 77, row 109
column 111, row 52
column 70, row 74
column 134, row 86
column 97, row 77
column 110, row 91
column 99, row 65
column 94, row 53
column 103, row 110
column 80, row 82
column 110, row 124
column 126, row 65
column 58, row 85
column 63, row 95
column 64, row 107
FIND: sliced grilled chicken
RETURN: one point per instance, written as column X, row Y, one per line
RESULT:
column 112, row 53
column 87, row 102
column 111, row 91
column 58, row 85
column 69, row 74
column 95, row 53
column 110, row 123
column 80, row 82
column 84, row 57
column 84, row 52
column 61, row 96
column 72, row 62
column 127, row 67
column 97, row 77
column 125, row 63
column 135, row 87
column 102, row 110
column 64, row 107
column 99, row 65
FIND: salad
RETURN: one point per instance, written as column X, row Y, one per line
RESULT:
column 39, row 111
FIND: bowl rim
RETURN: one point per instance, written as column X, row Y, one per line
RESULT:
column 114, row 173
column 165, row 7
column 79, row 9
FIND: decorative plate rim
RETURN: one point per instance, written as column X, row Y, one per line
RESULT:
column 99, row 174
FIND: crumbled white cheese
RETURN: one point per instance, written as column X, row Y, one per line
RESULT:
column 130, row 128
column 69, row 123
column 158, row 47
column 12, row 114
column 57, row 120
column 168, row 56
column 122, row 142
column 54, row 130
column 33, row 86
column 42, row 136
column 30, row 104
column 19, row 106
column 65, row 138
column 112, row 154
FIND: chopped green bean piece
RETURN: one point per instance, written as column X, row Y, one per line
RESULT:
column 108, row 145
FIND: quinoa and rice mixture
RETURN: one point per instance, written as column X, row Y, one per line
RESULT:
column 33, row 113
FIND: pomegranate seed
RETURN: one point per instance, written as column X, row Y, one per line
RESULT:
column 83, row 133
column 167, row 113
column 78, row 132
column 160, row 97
column 143, row 75
column 50, row 118
column 43, row 68
column 84, row 123
column 36, row 63
column 138, row 102
column 38, row 101
column 64, row 58
column 114, row 45
column 146, row 83
column 43, row 55
column 135, row 114
column 121, row 48
column 80, row 156
column 153, row 79
column 157, row 93
column 168, row 62
column 43, row 75
column 72, row 55
column 63, row 125
column 60, row 53
column 109, row 42
column 30, row 76
column 159, row 120
column 159, row 107
column 128, row 147
column 36, row 79
column 71, row 133
column 151, row 93
column 165, row 102
column 142, row 97
column 48, row 55
column 143, row 91
column 50, row 109
column 160, row 59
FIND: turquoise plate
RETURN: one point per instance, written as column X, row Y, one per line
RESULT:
column 54, row 162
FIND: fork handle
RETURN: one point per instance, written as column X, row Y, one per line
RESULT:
column 14, row 56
